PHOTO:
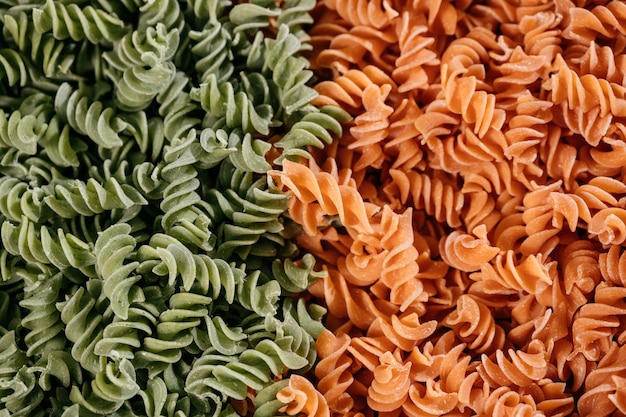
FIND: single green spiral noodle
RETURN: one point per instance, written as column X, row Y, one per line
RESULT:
column 83, row 314
column 70, row 21
column 38, row 244
column 185, row 215
column 43, row 320
column 87, row 116
column 141, row 65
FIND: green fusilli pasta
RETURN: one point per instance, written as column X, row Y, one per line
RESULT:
column 147, row 261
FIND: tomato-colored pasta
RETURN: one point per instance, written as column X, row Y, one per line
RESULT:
column 472, row 215
column 300, row 396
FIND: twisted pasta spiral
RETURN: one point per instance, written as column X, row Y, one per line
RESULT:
column 333, row 370
column 609, row 225
column 596, row 324
column 43, row 320
column 603, row 20
column 417, row 61
column 114, row 384
column 473, row 323
column 523, row 367
column 82, row 313
column 13, row 67
column 437, row 196
column 54, row 58
column 253, row 368
column 184, row 216
column 38, row 244
column 462, row 90
column 72, row 198
column 213, row 50
column 177, row 109
column 260, row 225
column 174, row 330
column 466, row 252
column 301, row 396
column 308, row 131
column 87, row 117
column 144, row 60
column 25, row 395
column 531, row 274
column 321, row 191
column 242, row 110
column 602, row 384
column 612, row 265
column 390, row 387
column 112, row 247
column 70, row 21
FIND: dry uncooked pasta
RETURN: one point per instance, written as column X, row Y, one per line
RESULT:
column 481, row 270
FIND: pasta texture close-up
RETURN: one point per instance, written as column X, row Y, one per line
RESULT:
column 333, row 208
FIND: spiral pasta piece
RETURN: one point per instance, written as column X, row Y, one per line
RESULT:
column 82, row 315
column 600, row 385
column 474, row 324
column 437, row 197
column 390, row 387
column 212, row 49
column 60, row 249
column 604, row 21
column 300, row 396
column 114, row 383
column 466, row 252
column 184, row 217
column 241, row 112
column 26, row 396
column 70, row 21
column 43, row 321
column 612, row 264
column 148, row 69
column 521, row 369
column 252, row 369
column 595, row 324
column 87, row 117
column 333, row 198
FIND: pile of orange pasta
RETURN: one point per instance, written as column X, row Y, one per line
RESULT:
column 472, row 217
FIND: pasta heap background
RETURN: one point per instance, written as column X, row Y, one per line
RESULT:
column 341, row 208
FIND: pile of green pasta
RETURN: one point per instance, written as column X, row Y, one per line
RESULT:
column 146, row 264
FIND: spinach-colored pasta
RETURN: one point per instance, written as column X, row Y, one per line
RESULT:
column 70, row 21
column 20, row 131
column 72, row 198
column 37, row 244
column 43, row 320
column 248, row 212
column 212, row 48
column 14, row 68
column 58, row 365
column 230, row 108
column 166, row 12
column 55, row 57
column 176, row 108
column 185, row 215
column 13, row 359
column 88, row 116
column 147, row 260
column 141, row 65
column 17, row 199
column 23, row 396
column 114, row 383
column 83, row 315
